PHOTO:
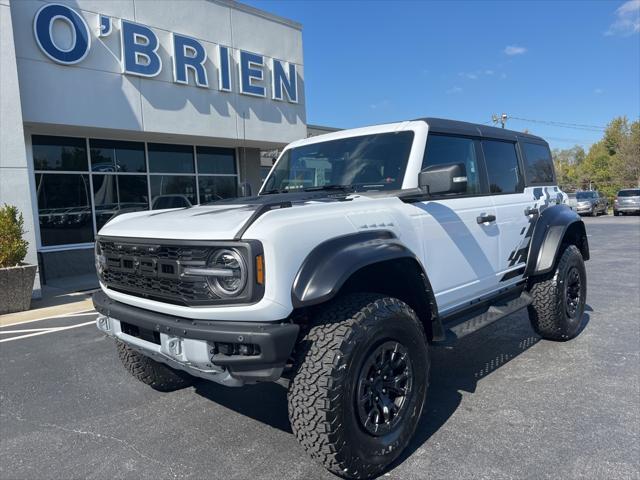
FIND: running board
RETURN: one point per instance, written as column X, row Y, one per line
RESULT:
column 470, row 323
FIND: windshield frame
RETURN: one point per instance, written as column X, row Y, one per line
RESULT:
column 417, row 129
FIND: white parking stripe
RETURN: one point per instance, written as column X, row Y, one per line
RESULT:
column 28, row 330
column 50, row 330
column 62, row 315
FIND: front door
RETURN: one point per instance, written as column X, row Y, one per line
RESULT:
column 460, row 247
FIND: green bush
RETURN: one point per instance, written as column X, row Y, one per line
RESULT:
column 13, row 248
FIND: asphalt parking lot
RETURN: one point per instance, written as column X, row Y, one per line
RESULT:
column 502, row 403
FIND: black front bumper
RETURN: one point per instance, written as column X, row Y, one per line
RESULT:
column 275, row 339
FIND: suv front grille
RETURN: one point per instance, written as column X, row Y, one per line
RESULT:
column 154, row 271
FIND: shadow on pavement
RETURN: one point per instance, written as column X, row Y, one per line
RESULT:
column 453, row 369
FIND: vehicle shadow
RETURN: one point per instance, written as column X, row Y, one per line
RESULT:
column 460, row 368
column 453, row 370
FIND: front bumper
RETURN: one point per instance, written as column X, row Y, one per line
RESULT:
column 205, row 348
column 584, row 208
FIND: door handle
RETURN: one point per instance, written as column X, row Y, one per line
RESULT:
column 531, row 211
column 486, row 218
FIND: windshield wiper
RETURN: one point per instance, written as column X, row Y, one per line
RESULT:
column 274, row 191
column 319, row 188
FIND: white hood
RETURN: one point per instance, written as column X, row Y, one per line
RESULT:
column 205, row 222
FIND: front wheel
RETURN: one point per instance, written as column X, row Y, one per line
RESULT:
column 360, row 384
column 559, row 297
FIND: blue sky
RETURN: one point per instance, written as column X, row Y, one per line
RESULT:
column 377, row 61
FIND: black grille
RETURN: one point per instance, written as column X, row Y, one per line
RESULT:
column 154, row 271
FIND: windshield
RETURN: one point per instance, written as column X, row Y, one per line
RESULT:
column 368, row 162
column 629, row 193
column 585, row 195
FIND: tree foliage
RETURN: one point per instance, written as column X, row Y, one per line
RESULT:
column 611, row 164
column 13, row 248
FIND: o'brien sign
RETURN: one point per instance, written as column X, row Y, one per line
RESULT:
column 139, row 54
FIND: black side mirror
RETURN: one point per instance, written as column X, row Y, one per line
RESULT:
column 245, row 189
column 442, row 179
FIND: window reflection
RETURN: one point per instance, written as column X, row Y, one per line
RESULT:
column 174, row 190
column 64, row 208
column 116, row 156
column 59, row 153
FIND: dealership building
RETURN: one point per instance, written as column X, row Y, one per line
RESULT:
column 109, row 107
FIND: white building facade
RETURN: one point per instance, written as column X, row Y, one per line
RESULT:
column 126, row 105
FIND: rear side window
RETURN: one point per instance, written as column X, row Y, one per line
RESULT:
column 629, row 193
column 444, row 149
column 537, row 163
column 502, row 167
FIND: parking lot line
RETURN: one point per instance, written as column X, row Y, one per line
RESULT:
column 48, row 330
column 62, row 315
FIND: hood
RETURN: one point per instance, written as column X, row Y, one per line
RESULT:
column 221, row 220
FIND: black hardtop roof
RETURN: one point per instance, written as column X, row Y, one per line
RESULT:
column 443, row 125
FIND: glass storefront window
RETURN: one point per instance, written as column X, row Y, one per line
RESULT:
column 172, row 190
column 217, row 188
column 115, row 156
column 165, row 158
column 64, row 208
column 59, row 153
column 115, row 194
column 112, row 178
column 215, row 160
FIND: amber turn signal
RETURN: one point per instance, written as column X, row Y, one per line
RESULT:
column 260, row 270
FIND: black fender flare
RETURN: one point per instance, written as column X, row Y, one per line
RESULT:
column 548, row 234
column 331, row 263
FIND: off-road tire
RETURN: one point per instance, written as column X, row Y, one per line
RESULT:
column 549, row 310
column 329, row 361
column 155, row 374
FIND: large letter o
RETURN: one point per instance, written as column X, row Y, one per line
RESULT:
column 43, row 26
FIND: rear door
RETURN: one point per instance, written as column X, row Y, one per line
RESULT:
column 460, row 252
column 513, row 204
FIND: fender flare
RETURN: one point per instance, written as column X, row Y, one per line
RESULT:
column 330, row 264
column 548, row 234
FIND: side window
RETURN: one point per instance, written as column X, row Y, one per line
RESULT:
column 538, row 163
column 502, row 166
column 444, row 149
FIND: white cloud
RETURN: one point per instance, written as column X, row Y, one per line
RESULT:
column 515, row 49
column 627, row 20
column 475, row 75
column 598, row 91
column 454, row 90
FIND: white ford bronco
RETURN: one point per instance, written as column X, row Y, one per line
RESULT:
column 364, row 249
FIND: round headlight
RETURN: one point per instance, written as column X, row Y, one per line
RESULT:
column 233, row 273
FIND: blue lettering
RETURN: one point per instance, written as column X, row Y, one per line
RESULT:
column 105, row 25
column 224, row 82
column 280, row 79
column 250, row 70
column 139, row 45
column 188, row 53
column 43, row 26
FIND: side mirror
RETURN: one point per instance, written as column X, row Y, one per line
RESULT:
column 441, row 179
column 245, row 189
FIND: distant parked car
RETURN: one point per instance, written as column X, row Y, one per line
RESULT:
column 627, row 201
column 591, row 202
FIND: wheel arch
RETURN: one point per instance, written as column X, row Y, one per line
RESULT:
column 557, row 225
column 375, row 262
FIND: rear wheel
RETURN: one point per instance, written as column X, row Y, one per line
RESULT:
column 559, row 297
column 360, row 384
column 155, row 374
column 616, row 213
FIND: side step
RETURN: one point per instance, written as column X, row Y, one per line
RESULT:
column 472, row 322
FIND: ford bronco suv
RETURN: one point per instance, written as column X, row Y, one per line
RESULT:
column 363, row 249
